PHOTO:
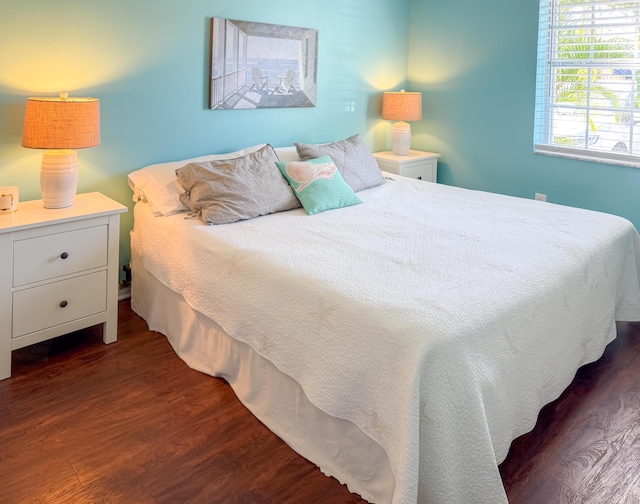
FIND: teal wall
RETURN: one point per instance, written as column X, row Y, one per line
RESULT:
column 475, row 63
column 147, row 62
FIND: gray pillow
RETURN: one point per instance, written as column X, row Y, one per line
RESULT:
column 353, row 158
column 231, row 190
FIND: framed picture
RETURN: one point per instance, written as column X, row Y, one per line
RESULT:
column 259, row 65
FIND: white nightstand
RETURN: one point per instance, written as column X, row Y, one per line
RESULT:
column 58, row 272
column 417, row 164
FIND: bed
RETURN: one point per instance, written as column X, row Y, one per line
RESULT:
column 401, row 344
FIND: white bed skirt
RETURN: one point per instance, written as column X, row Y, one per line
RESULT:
column 337, row 446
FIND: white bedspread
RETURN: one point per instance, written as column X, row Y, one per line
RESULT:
column 438, row 320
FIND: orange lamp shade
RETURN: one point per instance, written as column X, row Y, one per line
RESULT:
column 61, row 123
column 402, row 106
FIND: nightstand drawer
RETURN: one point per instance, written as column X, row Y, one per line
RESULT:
column 57, row 303
column 417, row 164
column 423, row 172
column 58, row 254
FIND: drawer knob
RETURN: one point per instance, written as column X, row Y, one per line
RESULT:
column 64, row 255
column 419, row 178
column 63, row 304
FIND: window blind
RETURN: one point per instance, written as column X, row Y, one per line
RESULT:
column 588, row 76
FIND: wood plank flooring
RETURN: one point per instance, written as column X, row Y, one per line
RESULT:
column 82, row 422
column 585, row 447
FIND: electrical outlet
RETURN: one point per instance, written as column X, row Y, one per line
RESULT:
column 541, row 197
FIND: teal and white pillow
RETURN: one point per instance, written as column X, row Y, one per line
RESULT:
column 353, row 158
column 318, row 184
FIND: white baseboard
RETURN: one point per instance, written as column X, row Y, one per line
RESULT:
column 124, row 293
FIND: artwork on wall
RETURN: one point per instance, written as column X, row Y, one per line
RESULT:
column 259, row 65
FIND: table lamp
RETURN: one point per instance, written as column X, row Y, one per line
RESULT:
column 401, row 106
column 60, row 124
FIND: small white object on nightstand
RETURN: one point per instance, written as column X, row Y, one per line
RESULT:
column 417, row 164
column 58, row 272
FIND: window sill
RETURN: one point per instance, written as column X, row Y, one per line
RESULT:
column 611, row 158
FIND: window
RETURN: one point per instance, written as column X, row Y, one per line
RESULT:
column 588, row 76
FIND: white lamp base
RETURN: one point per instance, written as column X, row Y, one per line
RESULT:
column 59, row 178
column 401, row 138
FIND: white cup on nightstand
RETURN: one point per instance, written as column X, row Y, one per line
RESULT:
column 9, row 197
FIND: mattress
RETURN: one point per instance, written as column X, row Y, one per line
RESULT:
column 436, row 320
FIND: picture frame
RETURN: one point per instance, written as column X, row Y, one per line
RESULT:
column 260, row 65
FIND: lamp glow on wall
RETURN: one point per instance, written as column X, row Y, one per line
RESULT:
column 401, row 106
column 61, row 125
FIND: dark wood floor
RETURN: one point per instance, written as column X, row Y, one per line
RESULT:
column 585, row 447
column 83, row 422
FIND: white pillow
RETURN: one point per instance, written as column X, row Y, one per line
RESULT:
column 158, row 185
column 287, row 154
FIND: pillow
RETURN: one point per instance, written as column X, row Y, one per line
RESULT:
column 318, row 184
column 157, row 184
column 287, row 154
column 352, row 157
column 227, row 191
